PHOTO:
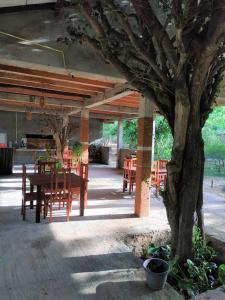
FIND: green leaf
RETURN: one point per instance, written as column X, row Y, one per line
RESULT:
column 186, row 285
column 221, row 274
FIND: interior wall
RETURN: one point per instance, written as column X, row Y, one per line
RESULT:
column 8, row 125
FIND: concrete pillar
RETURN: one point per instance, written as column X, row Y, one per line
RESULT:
column 153, row 139
column 119, row 140
column 143, row 171
column 84, row 134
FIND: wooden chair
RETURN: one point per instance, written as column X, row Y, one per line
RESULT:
column 59, row 192
column 158, row 175
column 162, row 164
column 133, row 165
column 27, row 197
column 67, row 158
column 83, row 172
column 129, row 174
column 44, row 167
column 155, row 181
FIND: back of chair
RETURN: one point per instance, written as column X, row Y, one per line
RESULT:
column 60, row 185
column 84, row 171
column 127, row 163
column 133, row 163
column 46, row 167
column 163, row 163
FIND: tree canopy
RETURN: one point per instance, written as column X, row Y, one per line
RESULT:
column 172, row 52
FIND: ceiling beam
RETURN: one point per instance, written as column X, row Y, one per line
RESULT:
column 109, row 117
column 50, row 81
column 119, row 91
column 37, row 100
column 33, row 92
column 116, row 109
column 45, row 86
column 76, row 106
column 61, row 74
column 14, row 108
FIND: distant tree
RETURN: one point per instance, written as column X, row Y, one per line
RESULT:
column 216, row 151
column 173, row 53
column 109, row 132
column 130, row 133
column 61, row 128
column 163, row 139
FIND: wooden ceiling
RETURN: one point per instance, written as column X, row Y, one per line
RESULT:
column 18, row 81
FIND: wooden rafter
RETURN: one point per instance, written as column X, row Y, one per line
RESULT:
column 73, row 78
column 50, row 81
column 119, row 91
column 39, row 92
column 44, row 86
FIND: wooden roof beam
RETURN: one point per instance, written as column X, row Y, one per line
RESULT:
column 58, row 73
column 14, row 108
column 34, row 92
column 37, row 100
column 119, row 91
column 45, row 86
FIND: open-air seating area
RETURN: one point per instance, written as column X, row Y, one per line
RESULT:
column 157, row 176
column 54, row 186
column 95, row 96
column 85, row 258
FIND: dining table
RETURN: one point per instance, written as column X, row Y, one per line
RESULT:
column 43, row 180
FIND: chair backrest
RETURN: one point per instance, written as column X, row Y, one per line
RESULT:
column 127, row 164
column 84, row 170
column 163, row 163
column 24, row 178
column 46, row 167
column 60, row 184
column 133, row 163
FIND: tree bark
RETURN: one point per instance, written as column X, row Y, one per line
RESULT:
column 184, row 193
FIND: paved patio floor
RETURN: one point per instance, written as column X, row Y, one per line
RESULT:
column 85, row 258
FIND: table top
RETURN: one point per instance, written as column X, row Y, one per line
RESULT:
column 45, row 179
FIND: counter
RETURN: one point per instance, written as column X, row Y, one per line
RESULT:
column 28, row 156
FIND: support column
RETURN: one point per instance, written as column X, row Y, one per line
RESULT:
column 84, row 134
column 153, row 139
column 143, row 171
column 84, row 140
column 119, row 140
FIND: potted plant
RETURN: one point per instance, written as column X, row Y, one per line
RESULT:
column 156, row 272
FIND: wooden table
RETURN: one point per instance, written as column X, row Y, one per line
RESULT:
column 41, row 180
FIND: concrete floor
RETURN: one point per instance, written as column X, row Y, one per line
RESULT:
column 85, row 258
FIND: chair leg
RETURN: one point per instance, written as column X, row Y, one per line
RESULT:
column 24, row 211
column 124, row 185
column 45, row 209
column 130, row 186
column 50, row 213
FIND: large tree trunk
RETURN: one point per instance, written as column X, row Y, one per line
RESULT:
column 184, row 194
